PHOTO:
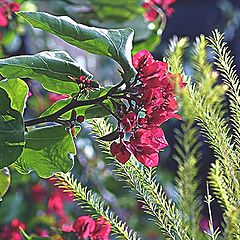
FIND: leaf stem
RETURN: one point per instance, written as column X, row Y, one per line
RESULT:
column 73, row 104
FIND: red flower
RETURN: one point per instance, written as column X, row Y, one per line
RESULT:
column 120, row 151
column 11, row 231
column 145, row 144
column 56, row 206
column 14, row 7
column 16, row 224
column 142, row 58
column 5, row 11
column 84, row 227
column 129, row 121
column 151, row 99
column 153, row 137
column 67, row 228
column 153, row 102
column 38, row 193
column 150, row 14
column 151, row 7
column 102, row 229
column 41, row 232
column 3, row 19
column 158, row 117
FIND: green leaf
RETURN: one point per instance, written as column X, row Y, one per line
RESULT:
column 99, row 111
column 113, row 43
column 5, row 180
column 149, row 44
column 60, row 104
column 17, row 91
column 11, row 131
column 51, row 68
column 48, row 150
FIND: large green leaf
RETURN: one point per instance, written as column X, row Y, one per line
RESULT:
column 48, row 150
column 17, row 91
column 51, row 68
column 4, row 181
column 113, row 43
column 11, row 131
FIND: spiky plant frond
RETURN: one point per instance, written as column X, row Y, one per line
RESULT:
column 232, row 231
column 215, row 128
column 207, row 102
column 203, row 75
column 93, row 202
column 225, row 64
column 155, row 201
column 142, row 181
column 218, row 182
column 213, row 233
column 175, row 54
column 188, row 155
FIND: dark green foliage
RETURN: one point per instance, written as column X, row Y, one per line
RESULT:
column 11, row 131
column 116, row 44
column 51, row 68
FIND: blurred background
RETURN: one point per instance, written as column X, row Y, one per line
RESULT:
column 36, row 202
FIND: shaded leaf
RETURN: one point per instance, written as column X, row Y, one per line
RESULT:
column 119, row 11
column 48, row 150
column 11, row 131
column 98, row 111
column 51, row 68
column 113, row 43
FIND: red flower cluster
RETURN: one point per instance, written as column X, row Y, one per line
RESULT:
column 11, row 231
column 38, row 193
column 6, row 9
column 155, row 103
column 55, row 200
column 86, row 227
column 151, row 7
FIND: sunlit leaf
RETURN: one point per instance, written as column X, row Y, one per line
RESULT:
column 48, row 150
column 17, row 91
column 4, row 181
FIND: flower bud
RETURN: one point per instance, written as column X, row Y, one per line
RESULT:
column 80, row 118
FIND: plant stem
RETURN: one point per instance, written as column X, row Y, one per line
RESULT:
column 73, row 104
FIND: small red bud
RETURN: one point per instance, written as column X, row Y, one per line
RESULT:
column 82, row 79
column 80, row 118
